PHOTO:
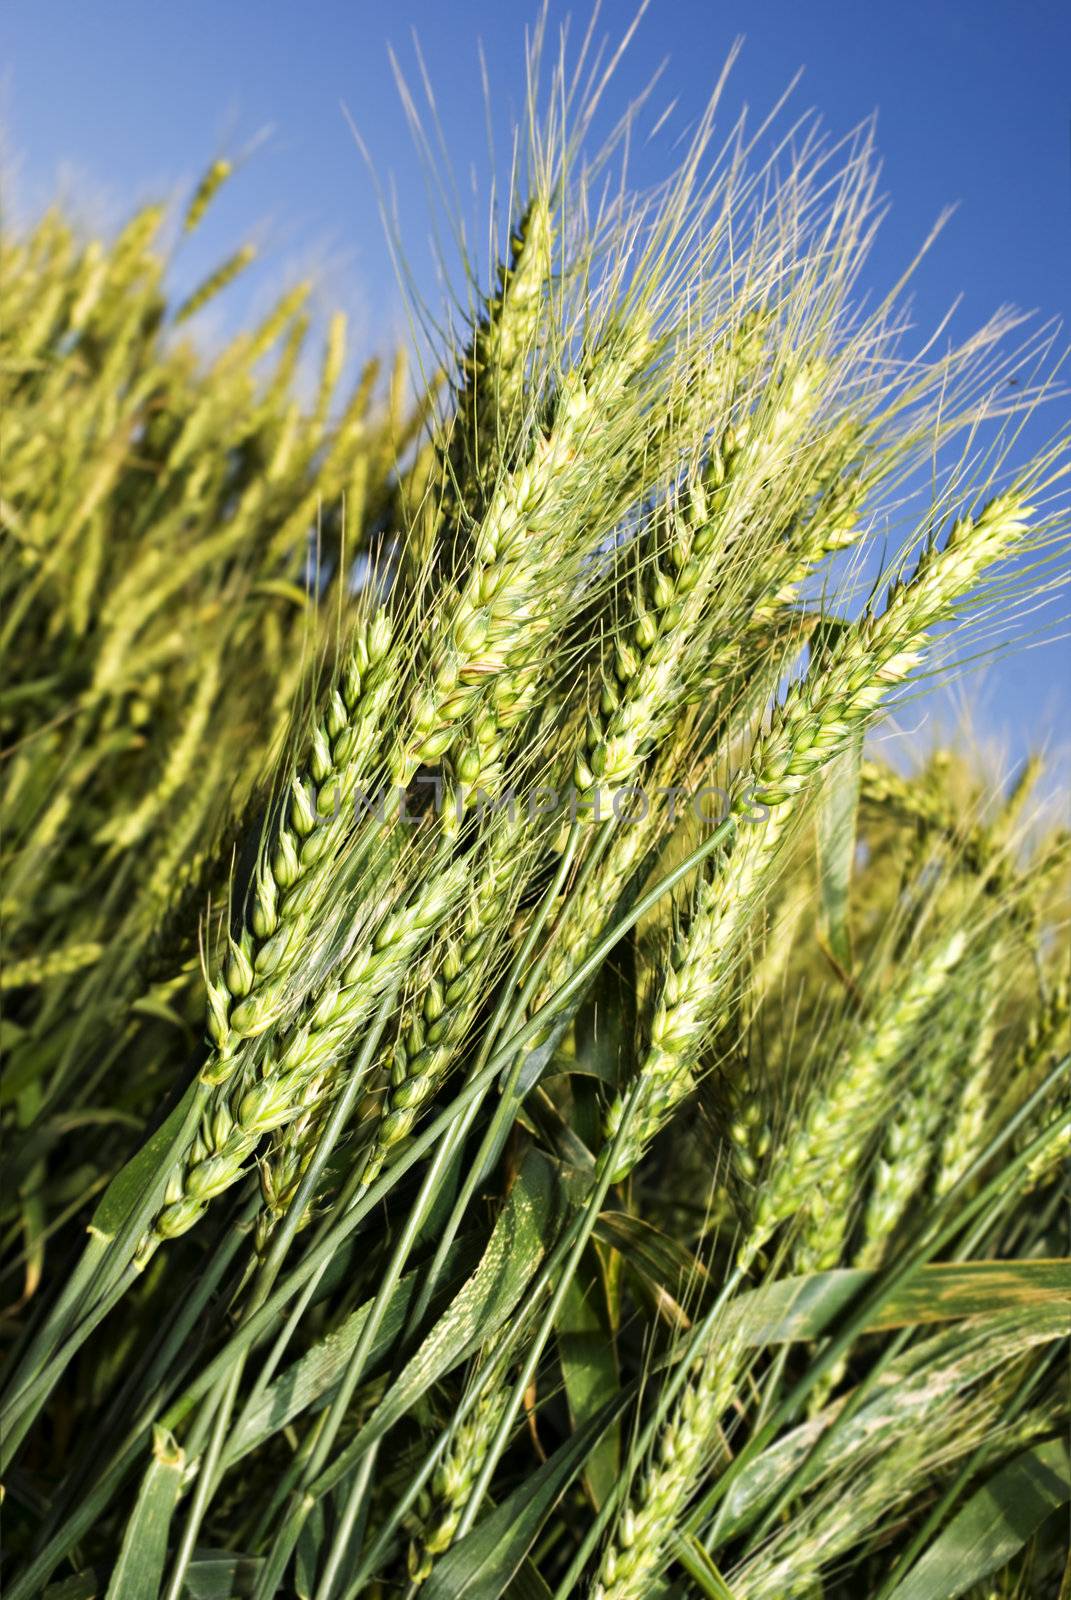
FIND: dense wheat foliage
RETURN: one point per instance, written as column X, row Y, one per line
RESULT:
column 507, row 1091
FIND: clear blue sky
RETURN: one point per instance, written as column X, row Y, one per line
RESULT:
column 129, row 98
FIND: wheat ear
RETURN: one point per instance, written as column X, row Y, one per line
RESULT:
column 488, row 408
column 265, row 1096
column 816, row 1165
column 1048, row 1034
column 972, row 1100
column 484, row 646
column 905, row 1158
column 493, row 369
column 444, row 1503
column 420, row 1059
column 815, row 721
column 251, row 990
column 691, row 544
column 637, row 1548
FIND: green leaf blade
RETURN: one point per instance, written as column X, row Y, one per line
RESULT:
column 139, row 1571
column 993, row 1526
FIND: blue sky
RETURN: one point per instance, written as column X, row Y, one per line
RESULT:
column 119, row 100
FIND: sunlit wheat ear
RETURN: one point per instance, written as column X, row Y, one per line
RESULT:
column 838, row 695
column 953, row 1040
column 271, row 1084
column 269, row 1093
column 249, row 992
column 906, row 1155
column 216, row 282
column 492, row 394
column 646, row 662
column 590, row 907
column 462, row 962
column 691, row 1001
column 483, row 645
column 943, row 1086
column 969, row 1113
column 674, row 776
column 462, row 959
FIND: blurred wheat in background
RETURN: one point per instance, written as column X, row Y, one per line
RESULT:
column 506, row 1093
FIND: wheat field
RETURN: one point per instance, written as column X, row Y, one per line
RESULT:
column 510, row 1088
